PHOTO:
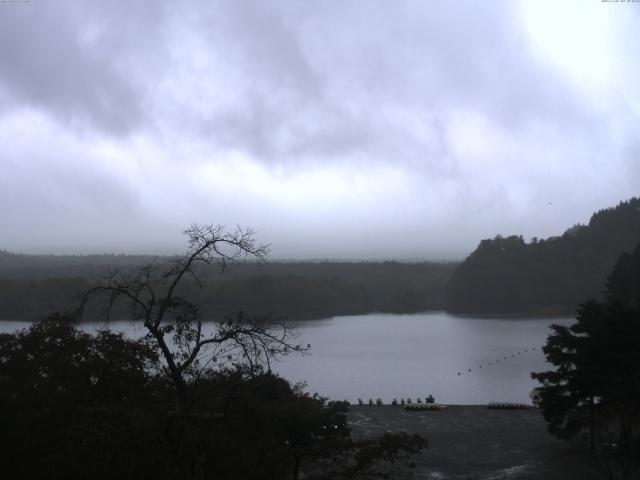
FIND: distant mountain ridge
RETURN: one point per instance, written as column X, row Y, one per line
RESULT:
column 509, row 275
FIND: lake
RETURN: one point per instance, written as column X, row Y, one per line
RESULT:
column 410, row 356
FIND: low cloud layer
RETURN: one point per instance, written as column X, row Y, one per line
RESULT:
column 335, row 129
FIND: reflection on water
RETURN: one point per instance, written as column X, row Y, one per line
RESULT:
column 387, row 356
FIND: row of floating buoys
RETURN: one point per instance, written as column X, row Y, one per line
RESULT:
column 498, row 360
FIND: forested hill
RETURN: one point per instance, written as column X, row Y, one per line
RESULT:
column 32, row 287
column 509, row 275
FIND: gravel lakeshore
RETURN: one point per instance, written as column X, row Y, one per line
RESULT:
column 473, row 442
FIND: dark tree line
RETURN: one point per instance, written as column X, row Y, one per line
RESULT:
column 510, row 275
column 32, row 286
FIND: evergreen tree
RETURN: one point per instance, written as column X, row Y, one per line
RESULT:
column 508, row 275
column 596, row 382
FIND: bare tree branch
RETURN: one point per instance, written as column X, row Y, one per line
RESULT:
column 151, row 292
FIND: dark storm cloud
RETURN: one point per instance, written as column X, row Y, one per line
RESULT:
column 74, row 60
column 328, row 83
column 317, row 81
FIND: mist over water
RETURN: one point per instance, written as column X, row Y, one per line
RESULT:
column 409, row 356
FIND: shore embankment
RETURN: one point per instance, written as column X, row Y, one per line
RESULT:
column 473, row 442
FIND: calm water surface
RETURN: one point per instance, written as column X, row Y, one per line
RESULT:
column 387, row 356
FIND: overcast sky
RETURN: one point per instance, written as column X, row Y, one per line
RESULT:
column 336, row 129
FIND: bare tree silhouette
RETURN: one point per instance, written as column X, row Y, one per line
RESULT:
column 175, row 323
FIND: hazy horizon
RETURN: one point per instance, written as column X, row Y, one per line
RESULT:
column 337, row 130
column 270, row 259
column 164, row 251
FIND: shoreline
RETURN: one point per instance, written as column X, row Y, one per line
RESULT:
column 311, row 317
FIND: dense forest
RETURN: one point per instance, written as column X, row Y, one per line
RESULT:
column 32, row 286
column 510, row 275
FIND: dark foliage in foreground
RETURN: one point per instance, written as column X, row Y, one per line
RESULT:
column 595, row 387
column 99, row 406
column 74, row 405
column 509, row 275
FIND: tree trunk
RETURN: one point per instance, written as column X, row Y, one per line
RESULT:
column 625, row 429
column 296, row 466
column 592, row 424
